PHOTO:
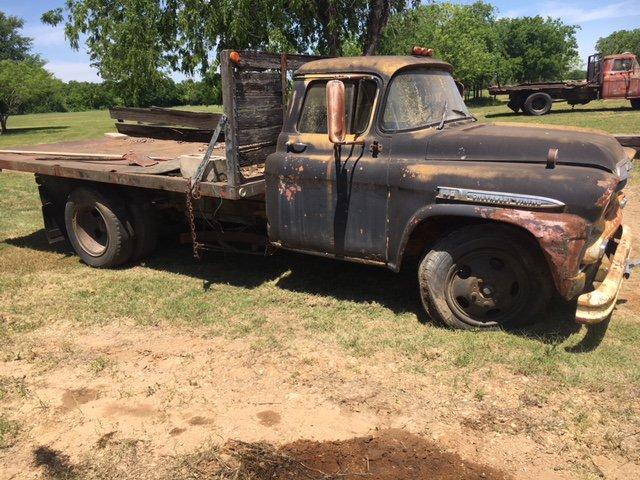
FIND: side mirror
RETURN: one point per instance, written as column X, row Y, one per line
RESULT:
column 336, row 111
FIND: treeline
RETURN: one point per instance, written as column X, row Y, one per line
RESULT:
column 135, row 44
column 484, row 49
column 76, row 96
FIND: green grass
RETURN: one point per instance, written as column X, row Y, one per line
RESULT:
column 8, row 431
column 613, row 116
column 275, row 301
column 64, row 127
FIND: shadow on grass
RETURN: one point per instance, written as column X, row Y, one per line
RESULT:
column 324, row 277
column 554, row 111
column 19, row 130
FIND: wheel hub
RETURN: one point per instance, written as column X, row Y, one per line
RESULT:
column 91, row 231
column 487, row 285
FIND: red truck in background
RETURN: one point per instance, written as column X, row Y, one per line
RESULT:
column 608, row 78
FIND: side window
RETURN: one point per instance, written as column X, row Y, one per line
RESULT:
column 622, row 65
column 360, row 96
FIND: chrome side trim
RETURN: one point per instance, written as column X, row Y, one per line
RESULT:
column 486, row 197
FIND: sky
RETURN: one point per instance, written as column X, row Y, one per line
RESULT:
column 595, row 18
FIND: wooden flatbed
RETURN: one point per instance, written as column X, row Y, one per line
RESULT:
column 165, row 175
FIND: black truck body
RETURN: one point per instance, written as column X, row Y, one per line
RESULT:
column 497, row 217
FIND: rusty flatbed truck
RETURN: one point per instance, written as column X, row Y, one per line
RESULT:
column 376, row 160
column 614, row 77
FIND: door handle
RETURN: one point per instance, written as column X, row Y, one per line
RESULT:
column 296, row 147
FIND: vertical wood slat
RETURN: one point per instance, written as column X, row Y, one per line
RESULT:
column 228, row 100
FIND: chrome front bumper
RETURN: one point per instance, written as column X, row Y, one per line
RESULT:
column 597, row 305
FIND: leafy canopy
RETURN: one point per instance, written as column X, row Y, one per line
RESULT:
column 23, row 86
column 537, row 48
column 13, row 46
column 482, row 48
column 620, row 42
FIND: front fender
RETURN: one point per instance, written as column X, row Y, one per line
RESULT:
column 561, row 237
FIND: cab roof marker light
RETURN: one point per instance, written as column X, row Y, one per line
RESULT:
column 422, row 51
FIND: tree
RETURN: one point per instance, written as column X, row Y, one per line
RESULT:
column 463, row 35
column 13, row 46
column 620, row 42
column 24, row 85
column 129, row 41
column 537, row 48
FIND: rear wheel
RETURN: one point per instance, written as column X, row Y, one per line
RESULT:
column 635, row 103
column 98, row 227
column 538, row 103
column 482, row 277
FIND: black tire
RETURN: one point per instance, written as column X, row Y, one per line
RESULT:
column 510, row 285
column 145, row 227
column 98, row 227
column 538, row 103
column 635, row 103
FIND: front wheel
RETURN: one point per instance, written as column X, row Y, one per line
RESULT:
column 635, row 103
column 482, row 277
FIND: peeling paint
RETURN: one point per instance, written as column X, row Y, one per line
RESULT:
column 561, row 236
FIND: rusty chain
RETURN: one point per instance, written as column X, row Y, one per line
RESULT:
column 190, row 196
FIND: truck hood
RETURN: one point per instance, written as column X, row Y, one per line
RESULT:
column 522, row 143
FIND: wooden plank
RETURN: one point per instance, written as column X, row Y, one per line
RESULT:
column 262, row 60
column 256, row 156
column 259, row 135
column 71, row 155
column 258, row 82
column 259, row 117
column 165, row 116
column 227, row 73
column 628, row 140
column 165, row 133
column 262, row 101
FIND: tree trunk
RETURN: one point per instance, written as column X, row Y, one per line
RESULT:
column 3, row 124
column 330, row 26
column 379, row 11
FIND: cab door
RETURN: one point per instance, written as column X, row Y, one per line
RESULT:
column 322, row 199
column 617, row 78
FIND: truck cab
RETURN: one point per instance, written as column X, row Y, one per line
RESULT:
column 379, row 161
column 621, row 78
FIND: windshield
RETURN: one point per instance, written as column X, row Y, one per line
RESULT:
column 422, row 98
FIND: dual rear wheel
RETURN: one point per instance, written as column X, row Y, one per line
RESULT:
column 105, row 231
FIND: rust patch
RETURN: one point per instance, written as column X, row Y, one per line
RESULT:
column 609, row 185
column 289, row 187
column 561, row 236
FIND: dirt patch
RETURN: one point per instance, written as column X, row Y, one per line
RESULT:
column 390, row 455
column 139, row 410
column 269, row 418
column 198, row 420
column 73, row 398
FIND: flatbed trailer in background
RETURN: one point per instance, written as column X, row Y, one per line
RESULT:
column 609, row 78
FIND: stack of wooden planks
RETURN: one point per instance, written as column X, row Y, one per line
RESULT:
column 165, row 123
